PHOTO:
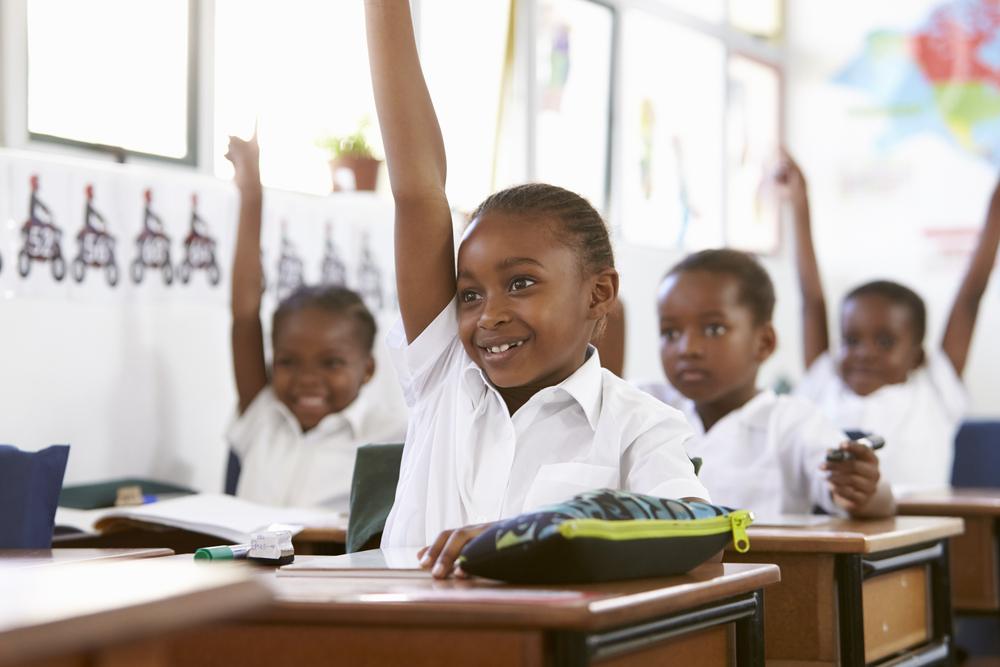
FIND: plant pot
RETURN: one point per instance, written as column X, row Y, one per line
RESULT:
column 365, row 171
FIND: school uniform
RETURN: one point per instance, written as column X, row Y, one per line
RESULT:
column 467, row 460
column 918, row 418
column 764, row 456
column 283, row 467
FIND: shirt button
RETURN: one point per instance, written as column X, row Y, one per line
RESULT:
column 482, row 518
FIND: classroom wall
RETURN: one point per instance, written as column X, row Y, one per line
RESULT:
column 886, row 203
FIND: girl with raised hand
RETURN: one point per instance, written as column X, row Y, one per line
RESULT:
column 509, row 407
column 299, row 425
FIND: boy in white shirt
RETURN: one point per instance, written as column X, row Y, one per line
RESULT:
column 760, row 451
column 880, row 380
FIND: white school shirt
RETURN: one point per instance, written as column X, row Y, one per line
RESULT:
column 467, row 460
column 918, row 418
column 764, row 456
column 283, row 467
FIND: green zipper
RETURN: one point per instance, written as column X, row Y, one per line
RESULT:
column 736, row 521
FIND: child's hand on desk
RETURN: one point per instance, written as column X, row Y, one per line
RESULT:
column 446, row 549
column 854, row 481
column 245, row 156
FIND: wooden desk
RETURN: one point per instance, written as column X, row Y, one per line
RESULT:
column 975, row 558
column 856, row 592
column 21, row 558
column 711, row 616
column 324, row 541
column 114, row 613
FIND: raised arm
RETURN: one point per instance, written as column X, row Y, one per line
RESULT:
column 248, row 335
column 414, row 151
column 815, row 335
column 962, row 321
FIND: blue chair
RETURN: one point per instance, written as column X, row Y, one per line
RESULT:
column 977, row 455
column 233, row 468
column 30, row 483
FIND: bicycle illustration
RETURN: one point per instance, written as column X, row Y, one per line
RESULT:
column 289, row 266
column 369, row 278
column 153, row 247
column 334, row 271
column 41, row 238
column 97, row 247
column 199, row 249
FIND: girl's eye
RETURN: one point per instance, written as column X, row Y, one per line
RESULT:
column 715, row 330
column 284, row 363
column 670, row 334
column 521, row 283
column 333, row 363
column 885, row 343
column 468, row 296
column 850, row 341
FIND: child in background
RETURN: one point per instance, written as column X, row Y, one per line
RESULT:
column 880, row 380
column 297, row 432
column 760, row 451
column 509, row 408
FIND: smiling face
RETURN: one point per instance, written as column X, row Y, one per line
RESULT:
column 320, row 363
column 526, row 312
column 710, row 345
column 877, row 345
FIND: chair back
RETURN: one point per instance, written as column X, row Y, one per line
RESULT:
column 977, row 455
column 233, row 467
column 373, row 491
column 30, row 483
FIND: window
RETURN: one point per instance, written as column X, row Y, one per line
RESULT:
column 301, row 68
column 116, row 73
column 672, row 129
column 573, row 96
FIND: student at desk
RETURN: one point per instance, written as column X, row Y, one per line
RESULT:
column 880, row 380
column 299, row 429
column 509, row 408
column 761, row 451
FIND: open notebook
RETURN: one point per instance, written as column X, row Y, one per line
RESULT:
column 216, row 514
column 399, row 562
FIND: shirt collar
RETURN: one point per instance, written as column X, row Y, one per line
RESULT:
column 585, row 386
column 754, row 413
column 352, row 416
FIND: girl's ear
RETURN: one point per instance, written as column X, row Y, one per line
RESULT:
column 767, row 341
column 369, row 370
column 603, row 294
column 918, row 358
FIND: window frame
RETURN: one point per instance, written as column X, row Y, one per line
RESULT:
column 14, row 86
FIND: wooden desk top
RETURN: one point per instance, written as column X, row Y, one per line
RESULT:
column 421, row 600
column 853, row 536
column 21, row 558
column 952, row 502
column 67, row 609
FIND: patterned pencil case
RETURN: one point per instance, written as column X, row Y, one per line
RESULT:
column 605, row 535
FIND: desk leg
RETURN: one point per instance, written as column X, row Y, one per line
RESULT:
column 851, row 617
column 750, row 636
column 943, row 613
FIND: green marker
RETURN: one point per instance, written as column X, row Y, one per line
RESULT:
column 236, row 551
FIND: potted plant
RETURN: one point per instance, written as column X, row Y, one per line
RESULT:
column 351, row 152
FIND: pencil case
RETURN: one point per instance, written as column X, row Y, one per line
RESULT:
column 605, row 535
